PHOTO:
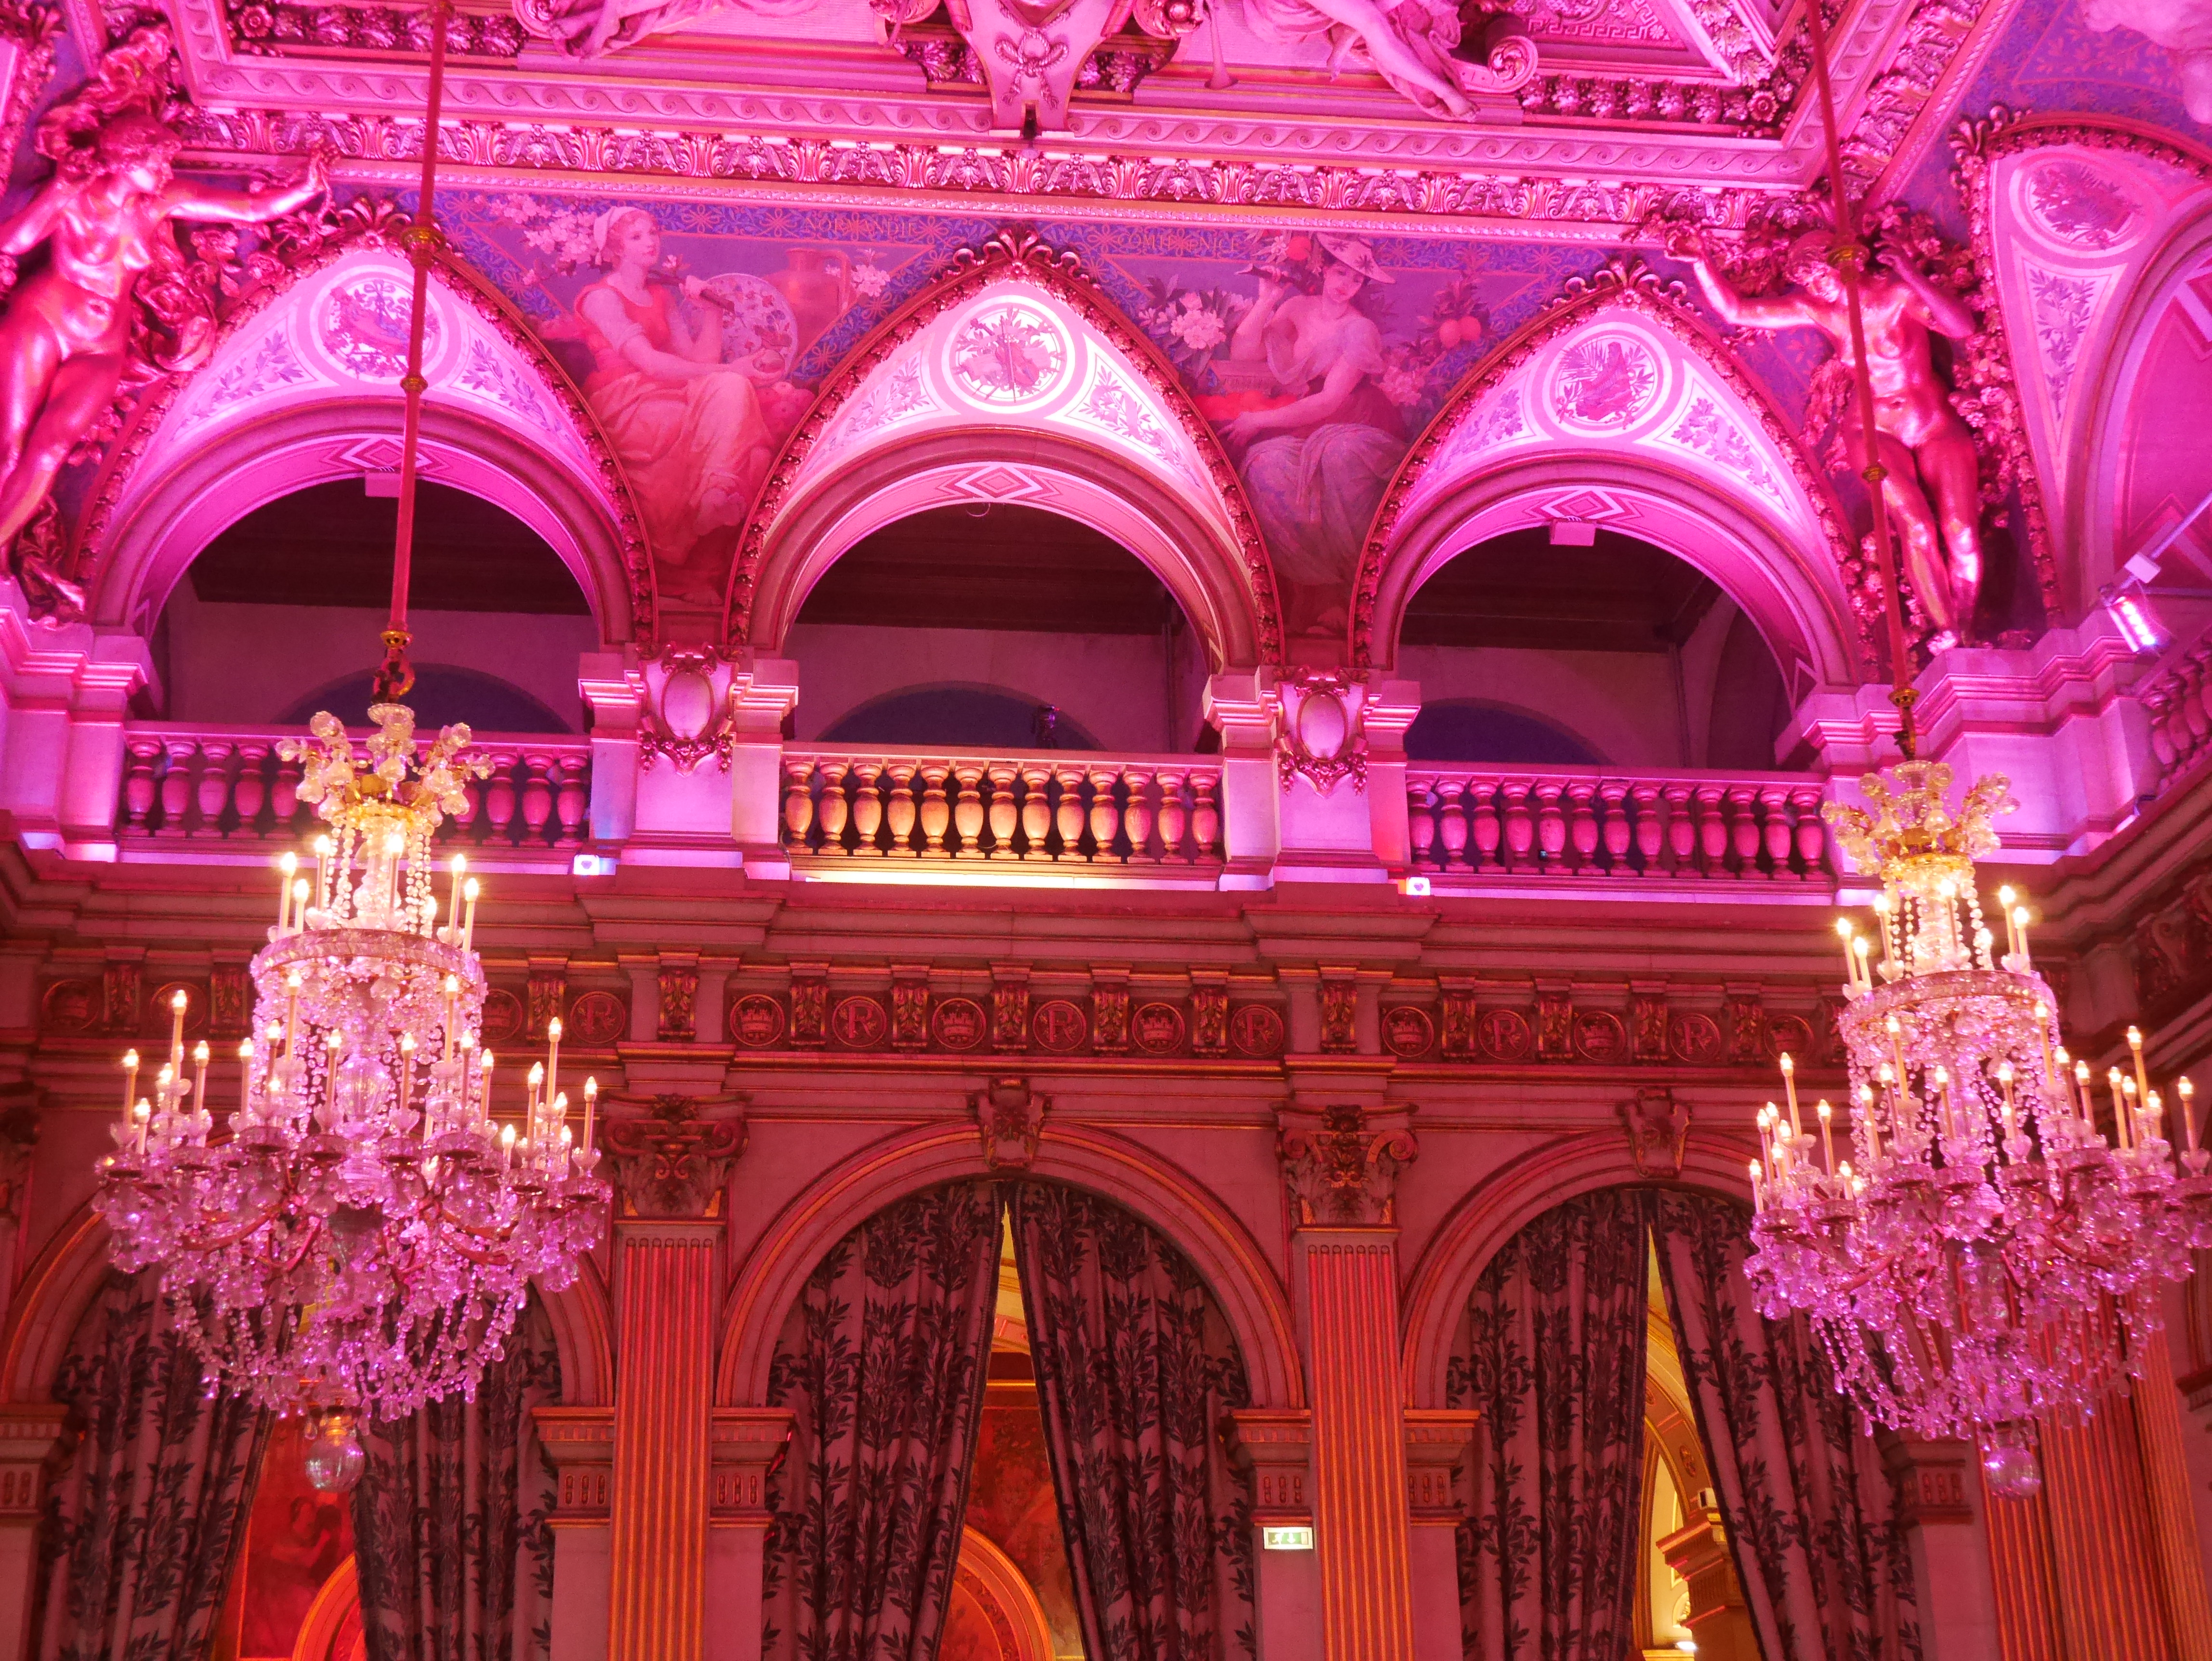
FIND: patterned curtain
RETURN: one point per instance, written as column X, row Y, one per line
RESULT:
column 883, row 1362
column 1136, row 1371
column 144, row 1526
column 1552, row 1352
column 1826, row 1570
column 450, row 1534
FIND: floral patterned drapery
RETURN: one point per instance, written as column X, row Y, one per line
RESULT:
column 882, row 1361
column 1136, row 1371
column 450, row 1537
column 1551, row 1351
column 1826, row 1570
column 144, row 1526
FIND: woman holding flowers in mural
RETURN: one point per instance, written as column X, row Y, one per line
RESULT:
column 1315, row 467
column 690, row 428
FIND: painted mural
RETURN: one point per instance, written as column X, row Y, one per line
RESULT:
column 297, row 1538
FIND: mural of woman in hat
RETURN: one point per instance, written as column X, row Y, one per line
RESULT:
column 1317, row 464
column 691, row 430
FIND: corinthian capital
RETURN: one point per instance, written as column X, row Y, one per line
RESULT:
column 1342, row 1165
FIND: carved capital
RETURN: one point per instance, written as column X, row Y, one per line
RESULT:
column 1010, row 1117
column 1658, row 1129
column 1934, row 1478
column 1437, row 1443
column 1276, row 1445
column 579, row 1443
column 744, row 1445
column 1342, row 1165
column 672, row 1161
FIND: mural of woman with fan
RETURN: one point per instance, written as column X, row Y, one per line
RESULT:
column 694, row 432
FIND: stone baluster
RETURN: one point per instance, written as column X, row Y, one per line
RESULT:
column 1812, row 834
column 140, row 789
column 1137, row 817
column 1551, row 825
column 2159, row 699
column 1421, row 820
column 1743, row 829
column 1486, row 830
column 968, row 809
column 284, row 796
column 833, row 810
column 1105, row 815
column 1037, row 810
column 1619, row 830
column 900, row 812
column 250, row 794
column 1520, row 826
column 936, row 811
column 177, row 785
column 1681, row 832
column 1067, row 814
column 499, row 797
column 1206, row 813
column 537, row 797
column 1003, row 816
column 1774, row 801
column 1582, row 828
column 1174, row 817
column 867, row 807
column 571, row 797
column 1451, row 823
column 1712, row 833
column 466, row 823
column 214, row 793
column 1650, row 828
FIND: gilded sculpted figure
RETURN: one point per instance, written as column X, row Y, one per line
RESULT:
column 66, row 336
column 1933, row 487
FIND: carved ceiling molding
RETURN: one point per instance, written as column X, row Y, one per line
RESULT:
column 313, row 244
column 32, row 29
column 1010, row 255
column 1618, row 284
column 1990, row 359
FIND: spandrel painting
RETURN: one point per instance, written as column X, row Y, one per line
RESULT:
column 1319, row 361
column 294, row 1583
column 696, row 347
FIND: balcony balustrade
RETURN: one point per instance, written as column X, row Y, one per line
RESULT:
column 2179, row 698
column 1065, row 808
column 1587, row 822
column 205, row 784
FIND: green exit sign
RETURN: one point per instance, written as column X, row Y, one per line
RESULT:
column 1286, row 1539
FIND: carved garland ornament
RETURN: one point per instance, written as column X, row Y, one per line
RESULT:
column 1019, row 256
column 297, row 248
column 1624, row 283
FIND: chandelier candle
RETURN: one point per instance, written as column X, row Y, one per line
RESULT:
column 356, row 1240
column 1985, row 1259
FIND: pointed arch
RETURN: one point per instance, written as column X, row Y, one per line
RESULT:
column 1102, row 431
column 1218, row 1246
column 1619, row 405
column 301, row 387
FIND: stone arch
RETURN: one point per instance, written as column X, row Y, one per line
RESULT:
column 298, row 391
column 1690, row 454
column 1510, row 1197
column 61, row 1284
column 1107, row 435
column 1219, row 1247
column 2085, row 278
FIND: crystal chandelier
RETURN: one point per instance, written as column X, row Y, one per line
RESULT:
column 1980, row 1257
column 364, row 1236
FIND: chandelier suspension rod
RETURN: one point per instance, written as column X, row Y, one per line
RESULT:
column 1849, row 257
column 422, row 241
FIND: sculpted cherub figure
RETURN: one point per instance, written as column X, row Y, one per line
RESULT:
column 1932, row 486
column 66, row 334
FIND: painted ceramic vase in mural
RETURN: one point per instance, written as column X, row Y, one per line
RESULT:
column 1933, row 488
column 71, row 334
column 2183, row 27
column 1317, row 452
column 687, row 377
